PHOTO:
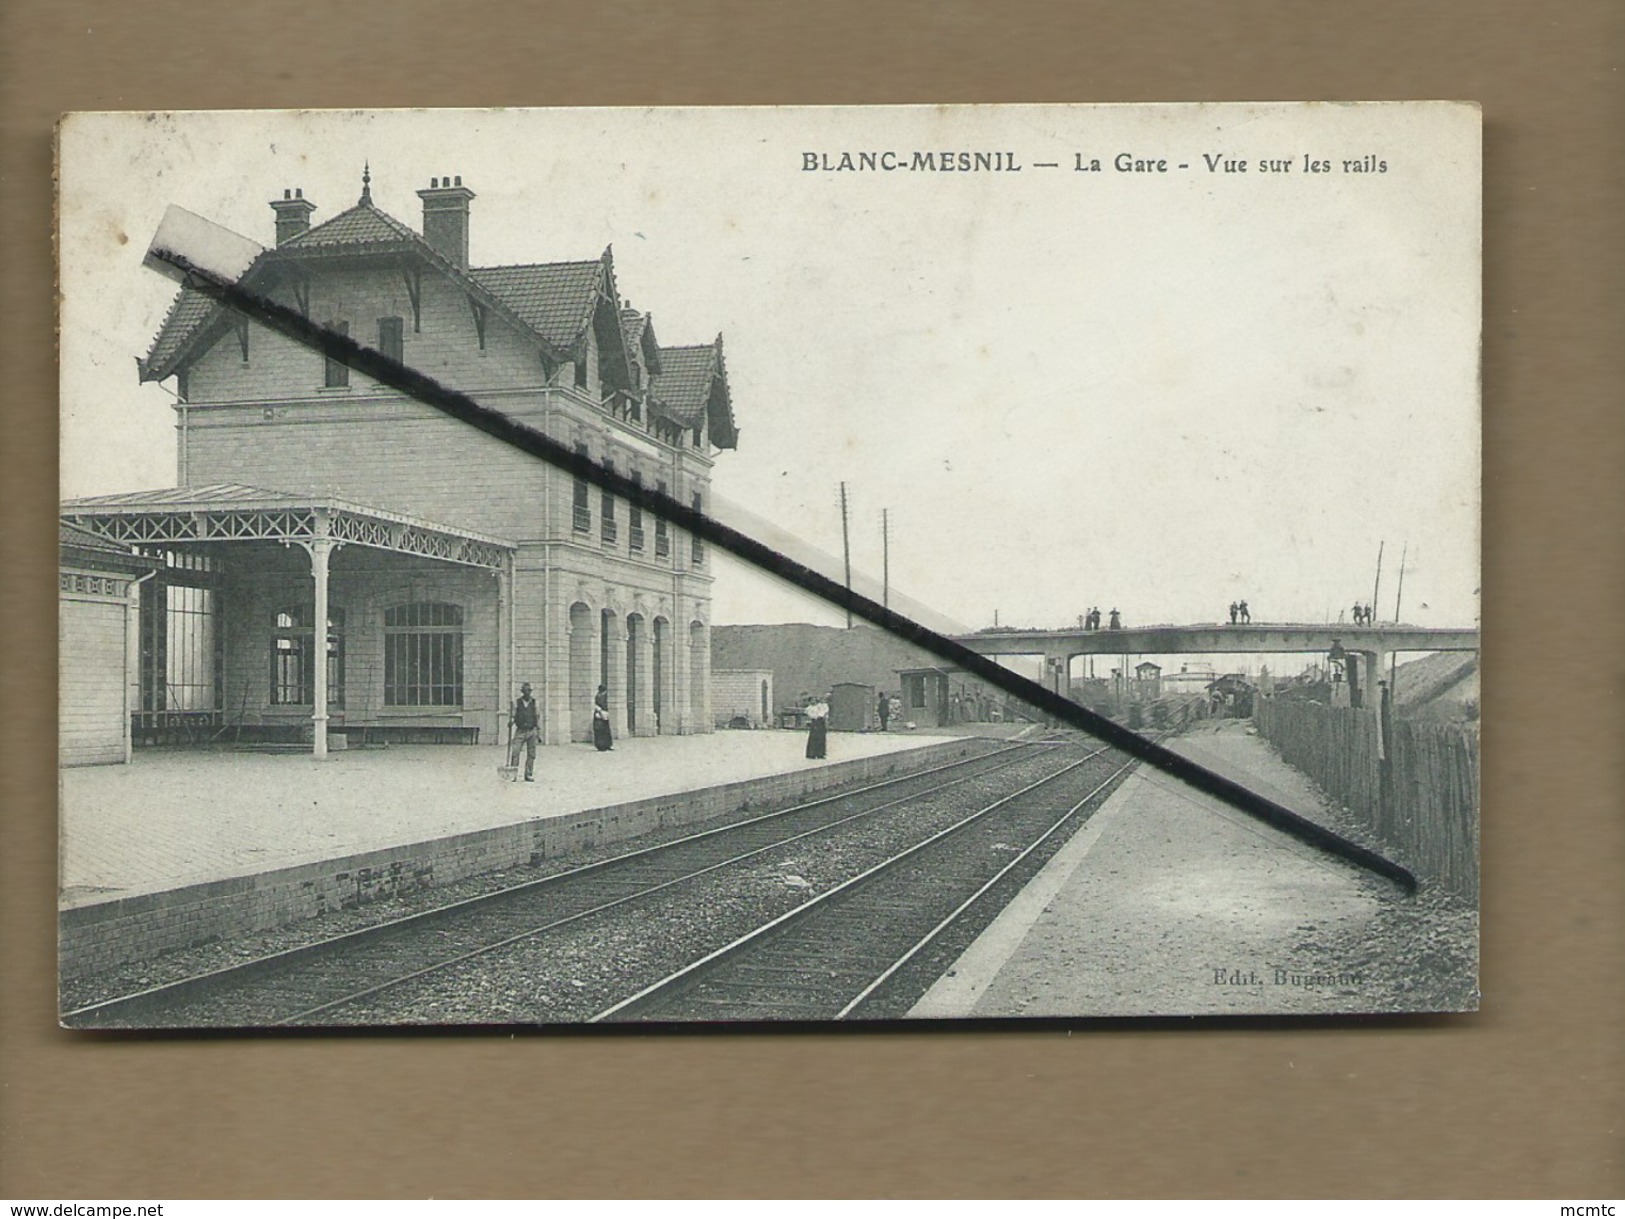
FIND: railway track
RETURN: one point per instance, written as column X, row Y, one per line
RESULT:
column 566, row 944
column 868, row 947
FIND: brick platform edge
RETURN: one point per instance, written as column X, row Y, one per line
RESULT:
column 104, row 935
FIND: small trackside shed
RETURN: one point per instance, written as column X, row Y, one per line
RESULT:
column 97, row 627
column 938, row 697
column 742, row 698
column 851, row 706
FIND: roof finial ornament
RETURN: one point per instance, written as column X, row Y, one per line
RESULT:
column 366, row 182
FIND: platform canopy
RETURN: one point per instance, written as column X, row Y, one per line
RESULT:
column 230, row 512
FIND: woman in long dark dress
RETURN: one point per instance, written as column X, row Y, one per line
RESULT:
column 817, row 728
column 601, row 736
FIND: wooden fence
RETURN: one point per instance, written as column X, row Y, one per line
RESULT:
column 1421, row 799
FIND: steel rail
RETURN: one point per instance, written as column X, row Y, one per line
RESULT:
column 683, row 978
column 183, row 989
column 975, row 897
column 624, row 899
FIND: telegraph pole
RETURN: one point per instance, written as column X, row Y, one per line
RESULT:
column 1398, row 595
column 885, row 558
column 846, row 548
column 1393, row 658
column 1375, row 588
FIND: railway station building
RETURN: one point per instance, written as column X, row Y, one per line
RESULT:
column 339, row 562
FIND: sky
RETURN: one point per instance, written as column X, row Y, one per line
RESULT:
column 1158, row 391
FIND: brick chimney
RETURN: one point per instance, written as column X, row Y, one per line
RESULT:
column 445, row 218
column 292, row 214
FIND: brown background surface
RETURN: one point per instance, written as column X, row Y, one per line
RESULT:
column 1524, row 1099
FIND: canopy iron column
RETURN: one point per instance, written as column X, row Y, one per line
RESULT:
column 320, row 548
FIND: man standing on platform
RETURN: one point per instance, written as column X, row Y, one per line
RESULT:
column 526, row 720
column 883, row 709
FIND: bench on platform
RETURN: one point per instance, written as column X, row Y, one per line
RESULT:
column 361, row 736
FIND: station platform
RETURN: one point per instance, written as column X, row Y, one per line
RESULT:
column 1169, row 902
column 182, row 846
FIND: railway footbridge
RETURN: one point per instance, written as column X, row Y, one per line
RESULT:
column 1368, row 648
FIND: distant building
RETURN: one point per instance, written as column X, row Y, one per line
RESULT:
column 346, row 559
column 1147, row 681
column 1231, row 695
column 1189, row 679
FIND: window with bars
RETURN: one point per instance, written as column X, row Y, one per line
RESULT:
column 423, row 655
column 606, row 509
column 581, row 508
column 338, row 372
column 392, row 338
column 293, row 657
column 697, row 549
column 662, row 537
column 634, row 517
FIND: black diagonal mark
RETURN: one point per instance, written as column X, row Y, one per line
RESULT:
column 397, row 376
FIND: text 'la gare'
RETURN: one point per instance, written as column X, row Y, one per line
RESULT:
column 1218, row 162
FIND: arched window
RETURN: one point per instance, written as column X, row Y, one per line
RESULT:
column 293, row 657
column 423, row 655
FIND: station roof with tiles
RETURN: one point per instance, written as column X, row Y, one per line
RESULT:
column 85, row 548
column 558, row 304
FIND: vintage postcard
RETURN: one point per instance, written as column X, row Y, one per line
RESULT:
column 767, row 565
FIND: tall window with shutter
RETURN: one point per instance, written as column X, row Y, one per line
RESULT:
column 634, row 518
column 580, row 507
column 392, row 338
column 662, row 536
column 606, row 511
column 337, row 371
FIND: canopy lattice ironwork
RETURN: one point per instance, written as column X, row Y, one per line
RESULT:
column 228, row 512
